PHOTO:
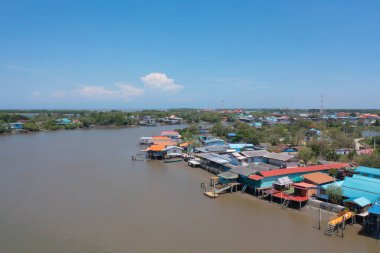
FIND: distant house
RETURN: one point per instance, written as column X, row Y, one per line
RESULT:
column 255, row 156
column 16, row 126
column 63, row 121
column 283, row 160
column 214, row 142
column 368, row 172
column 344, row 151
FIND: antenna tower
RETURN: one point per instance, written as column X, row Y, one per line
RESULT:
column 321, row 110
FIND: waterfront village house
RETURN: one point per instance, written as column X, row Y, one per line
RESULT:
column 344, row 151
column 63, row 121
column 16, row 126
column 171, row 134
column 356, row 190
column 245, row 171
column 172, row 151
column 227, row 177
column 368, row 172
column 265, row 179
column 282, row 160
column 214, row 163
column 214, row 142
column 161, row 151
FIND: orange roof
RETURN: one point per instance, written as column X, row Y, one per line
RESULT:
column 185, row 144
column 318, row 178
column 160, row 138
column 156, row 148
column 165, row 143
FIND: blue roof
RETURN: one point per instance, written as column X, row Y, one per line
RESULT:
column 231, row 135
column 368, row 170
column 362, row 202
column 337, row 183
column 240, row 145
column 369, row 179
column 375, row 209
column 356, row 188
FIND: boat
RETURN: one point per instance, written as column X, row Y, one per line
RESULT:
column 173, row 160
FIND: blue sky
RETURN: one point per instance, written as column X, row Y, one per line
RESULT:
column 162, row 54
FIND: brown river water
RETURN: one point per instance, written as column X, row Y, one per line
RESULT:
column 79, row 191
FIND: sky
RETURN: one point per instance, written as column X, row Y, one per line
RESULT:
column 66, row 54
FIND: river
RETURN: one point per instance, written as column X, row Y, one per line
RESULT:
column 79, row 191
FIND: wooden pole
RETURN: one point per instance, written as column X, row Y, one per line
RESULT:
column 320, row 217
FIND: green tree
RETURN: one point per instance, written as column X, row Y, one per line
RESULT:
column 334, row 193
column 306, row 154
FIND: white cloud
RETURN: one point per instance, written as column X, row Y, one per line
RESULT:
column 95, row 91
column 58, row 94
column 123, row 91
column 160, row 81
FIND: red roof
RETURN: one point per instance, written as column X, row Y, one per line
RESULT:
column 280, row 172
column 255, row 177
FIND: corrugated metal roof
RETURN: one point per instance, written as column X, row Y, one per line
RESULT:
column 319, row 178
column 370, row 179
column 375, row 208
column 306, row 169
column 362, row 202
column 216, row 158
column 256, row 177
column 368, row 170
column 228, row 175
column 355, row 188
column 256, row 153
column 244, row 171
column 279, row 156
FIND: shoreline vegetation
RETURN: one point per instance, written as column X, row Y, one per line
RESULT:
column 333, row 135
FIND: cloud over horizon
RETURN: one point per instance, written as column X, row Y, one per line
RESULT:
column 119, row 91
column 161, row 81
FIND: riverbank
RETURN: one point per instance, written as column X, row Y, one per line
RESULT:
column 79, row 191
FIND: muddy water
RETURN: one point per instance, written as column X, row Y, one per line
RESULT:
column 79, row 191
